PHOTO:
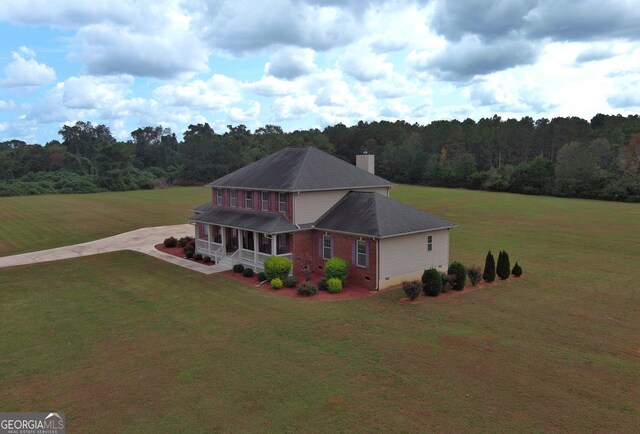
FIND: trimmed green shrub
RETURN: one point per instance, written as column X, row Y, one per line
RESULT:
column 517, row 270
column 247, row 272
column 459, row 272
column 475, row 275
column 291, row 281
column 206, row 259
column 261, row 276
column 190, row 246
column 307, row 289
column 276, row 283
column 489, row 273
column 189, row 254
column 503, row 268
column 411, row 289
column 431, row 282
column 184, row 241
column 276, row 266
column 198, row 256
column 323, row 285
column 334, row 285
column 336, row 267
column 170, row 242
column 238, row 268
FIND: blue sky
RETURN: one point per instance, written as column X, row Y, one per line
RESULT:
column 310, row 63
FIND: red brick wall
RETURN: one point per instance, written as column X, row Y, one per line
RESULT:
column 306, row 249
column 256, row 204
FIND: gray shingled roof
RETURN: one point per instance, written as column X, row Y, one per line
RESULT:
column 202, row 208
column 242, row 219
column 300, row 169
column 376, row 215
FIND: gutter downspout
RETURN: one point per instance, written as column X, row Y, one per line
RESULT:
column 377, row 264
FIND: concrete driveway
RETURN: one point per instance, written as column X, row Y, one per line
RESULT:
column 140, row 240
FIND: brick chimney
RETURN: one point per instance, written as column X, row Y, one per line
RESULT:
column 366, row 162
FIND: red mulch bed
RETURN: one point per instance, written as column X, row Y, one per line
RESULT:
column 177, row 251
column 348, row 292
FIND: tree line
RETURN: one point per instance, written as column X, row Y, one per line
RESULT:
column 564, row 156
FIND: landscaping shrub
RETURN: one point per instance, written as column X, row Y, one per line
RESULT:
column 517, row 270
column 170, row 242
column 459, row 272
column 446, row 280
column 189, row 254
column 334, row 285
column 276, row 266
column 336, row 267
column 276, row 283
column 190, row 246
column 197, row 257
column 184, row 241
column 261, row 276
column 431, row 282
column 206, row 259
column 238, row 268
column 475, row 275
column 247, row 272
column 291, row 281
column 503, row 269
column 307, row 289
column 411, row 289
column 489, row 273
column 323, row 285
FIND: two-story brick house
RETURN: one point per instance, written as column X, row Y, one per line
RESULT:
column 309, row 206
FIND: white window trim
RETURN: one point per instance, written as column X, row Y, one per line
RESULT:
column 324, row 247
column 364, row 255
column 248, row 199
column 282, row 205
column 219, row 197
column 429, row 243
column 233, row 196
column 265, row 208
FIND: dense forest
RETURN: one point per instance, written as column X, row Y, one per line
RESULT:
column 564, row 156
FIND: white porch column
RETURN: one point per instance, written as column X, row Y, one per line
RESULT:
column 274, row 244
column 255, row 248
column 240, row 237
column 209, row 237
column 222, row 237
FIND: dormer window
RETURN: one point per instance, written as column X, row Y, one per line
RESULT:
column 248, row 202
column 282, row 202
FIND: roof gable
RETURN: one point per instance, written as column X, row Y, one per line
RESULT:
column 376, row 215
column 300, row 169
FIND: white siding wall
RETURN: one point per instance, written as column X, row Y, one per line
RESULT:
column 310, row 205
column 406, row 257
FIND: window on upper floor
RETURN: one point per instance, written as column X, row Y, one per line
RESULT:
column 429, row 243
column 282, row 202
column 232, row 198
column 265, row 201
column 219, row 196
column 248, row 199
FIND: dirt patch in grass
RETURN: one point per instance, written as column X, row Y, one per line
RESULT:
column 348, row 292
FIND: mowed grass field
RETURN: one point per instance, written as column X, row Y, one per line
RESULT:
column 126, row 343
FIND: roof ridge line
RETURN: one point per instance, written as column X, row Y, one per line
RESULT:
column 304, row 160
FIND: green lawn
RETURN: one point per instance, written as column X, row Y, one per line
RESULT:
column 126, row 343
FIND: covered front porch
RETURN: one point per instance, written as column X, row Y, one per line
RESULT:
column 240, row 246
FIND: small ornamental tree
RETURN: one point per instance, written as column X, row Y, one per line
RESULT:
column 489, row 273
column 503, row 268
column 460, row 272
column 411, row 289
column 431, row 282
column 517, row 270
column 276, row 266
column 336, row 267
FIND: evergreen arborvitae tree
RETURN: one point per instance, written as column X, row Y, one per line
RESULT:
column 503, row 269
column 489, row 273
column 517, row 270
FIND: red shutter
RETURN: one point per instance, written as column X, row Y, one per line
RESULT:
column 354, row 252
column 332, row 245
